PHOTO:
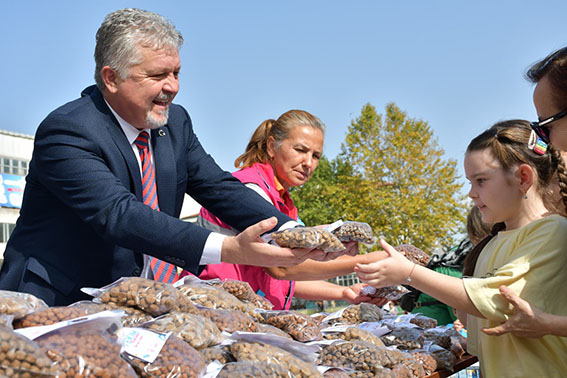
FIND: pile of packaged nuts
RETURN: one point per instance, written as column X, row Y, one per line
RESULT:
column 222, row 335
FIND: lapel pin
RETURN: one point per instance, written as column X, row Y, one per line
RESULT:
column 161, row 133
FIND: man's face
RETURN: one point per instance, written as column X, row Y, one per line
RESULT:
column 143, row 99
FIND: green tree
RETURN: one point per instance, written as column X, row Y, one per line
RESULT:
column 391, row 174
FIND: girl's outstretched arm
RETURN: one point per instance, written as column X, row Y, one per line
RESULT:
column 396, row 269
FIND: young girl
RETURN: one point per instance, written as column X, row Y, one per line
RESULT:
column 527, row 251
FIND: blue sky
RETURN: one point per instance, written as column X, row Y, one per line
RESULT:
column 457, row 65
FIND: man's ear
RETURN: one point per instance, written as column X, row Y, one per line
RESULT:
column 110, row 79
column 526, row 177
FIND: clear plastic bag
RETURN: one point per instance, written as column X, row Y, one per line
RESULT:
column 444, row 358
column 154, row 297
column 22, row 357
column 354, row 333
column 196, row 330
column 259, row 352
column 87, row 349
column 355, row 231
column 414, row 254
column 19, row 304
column 204, row 294
column 175, row 359
column 391, row 293
column 357, row 355
column 427, row 361
column 404, row 338
column 424, row 322
column 51, row 315
column 308, row 237
column 356, row 314
column 229, row 320
column 300, row 326
column 243, row 291
column 251, row 369
column 132, row 316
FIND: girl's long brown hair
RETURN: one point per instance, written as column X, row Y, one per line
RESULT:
column 507, row 141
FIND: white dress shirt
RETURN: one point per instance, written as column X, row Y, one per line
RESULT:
column 212, row 249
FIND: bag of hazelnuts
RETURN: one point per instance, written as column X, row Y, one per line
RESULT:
column 353, row 231
column 175, row 358
column 243, row 291
column 87, row 347
column 22, row 357
column 307, row 237
column 153, row 297
column 19, row 304
column 196, row 330
column 298, row 325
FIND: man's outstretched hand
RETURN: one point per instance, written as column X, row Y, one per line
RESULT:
column 248, row 248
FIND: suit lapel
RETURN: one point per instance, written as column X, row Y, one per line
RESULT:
column 165, row 167
column 131, row 172
column 121, row 142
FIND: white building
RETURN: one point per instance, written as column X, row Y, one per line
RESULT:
column 15, row 154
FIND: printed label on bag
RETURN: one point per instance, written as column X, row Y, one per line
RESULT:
column 142, row 343
column 333, row 226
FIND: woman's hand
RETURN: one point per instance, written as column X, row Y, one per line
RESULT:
column 393, row 270
column 527, row 320
column 352, row 295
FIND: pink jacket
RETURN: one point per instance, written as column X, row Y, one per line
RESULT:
column 278, row 292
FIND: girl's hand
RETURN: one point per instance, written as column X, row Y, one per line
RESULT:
column 393, row 270
column 352, row 295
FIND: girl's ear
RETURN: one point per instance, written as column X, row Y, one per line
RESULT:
column 526, row 177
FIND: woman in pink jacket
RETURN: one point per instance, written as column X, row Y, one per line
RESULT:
column 281, row 154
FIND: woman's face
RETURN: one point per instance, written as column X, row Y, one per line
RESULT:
column 298, row 156
column 545, row 107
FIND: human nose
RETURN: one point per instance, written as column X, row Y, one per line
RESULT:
column 309, row 161
column 472, row 192
column 171, row 83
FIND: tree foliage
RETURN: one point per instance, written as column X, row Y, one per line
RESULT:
column 391, row 174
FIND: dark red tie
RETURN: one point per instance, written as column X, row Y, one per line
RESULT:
column 163, row 271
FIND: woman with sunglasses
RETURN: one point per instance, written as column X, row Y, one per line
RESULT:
column 550, row 100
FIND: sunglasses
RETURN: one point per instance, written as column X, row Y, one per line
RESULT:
column 541, row 128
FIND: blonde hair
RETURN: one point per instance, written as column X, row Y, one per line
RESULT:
column 257, row 148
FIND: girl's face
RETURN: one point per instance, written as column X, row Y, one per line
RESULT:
column 545, row 107
column 494, row 191
column 298, row 156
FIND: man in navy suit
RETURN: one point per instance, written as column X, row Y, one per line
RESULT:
column 83, row 222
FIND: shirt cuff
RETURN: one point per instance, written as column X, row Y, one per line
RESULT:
column 212, row 250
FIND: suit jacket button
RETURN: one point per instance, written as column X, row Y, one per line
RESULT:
column 136, row 272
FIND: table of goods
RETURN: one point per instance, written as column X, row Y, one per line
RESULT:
column 137, row 327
